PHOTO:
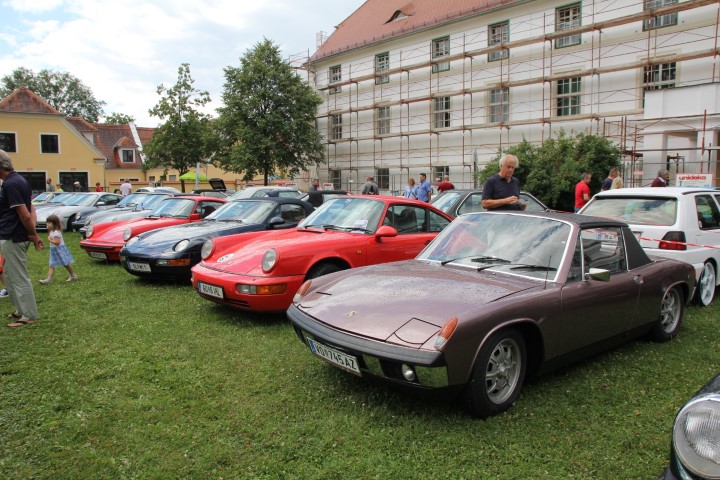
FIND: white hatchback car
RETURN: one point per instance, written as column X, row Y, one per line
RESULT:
column 673, row 222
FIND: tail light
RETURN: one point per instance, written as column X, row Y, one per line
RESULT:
column 673, row 241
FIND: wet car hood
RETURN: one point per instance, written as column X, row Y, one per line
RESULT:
column 377, row 302
column 169, row 236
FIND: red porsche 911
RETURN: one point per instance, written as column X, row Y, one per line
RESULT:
column 262, row 271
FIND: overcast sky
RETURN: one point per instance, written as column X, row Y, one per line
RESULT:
column 124, row 49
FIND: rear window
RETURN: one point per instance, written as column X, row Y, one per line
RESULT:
column 635, row 210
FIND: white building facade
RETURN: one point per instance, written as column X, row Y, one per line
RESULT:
column 412, row 87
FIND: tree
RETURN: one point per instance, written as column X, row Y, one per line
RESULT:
column 550, row 171
column 185, row 139
column 64, row 92
column 119, row 118
column 267, row 123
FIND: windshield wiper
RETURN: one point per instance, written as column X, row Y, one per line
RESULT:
column 520, row 266
column 352, row 229
column 481, row 259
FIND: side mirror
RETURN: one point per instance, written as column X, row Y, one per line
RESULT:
column 275, row 221
column 194, row 216
column 100, row 204
column 599, row 274
column 385, row 231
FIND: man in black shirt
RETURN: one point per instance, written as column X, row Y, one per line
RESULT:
column 502, row 190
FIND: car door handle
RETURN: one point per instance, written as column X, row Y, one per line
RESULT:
column 638, row 279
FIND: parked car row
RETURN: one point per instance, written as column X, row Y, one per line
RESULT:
column 395, row 290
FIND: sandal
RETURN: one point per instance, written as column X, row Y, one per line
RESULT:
column 20, row 322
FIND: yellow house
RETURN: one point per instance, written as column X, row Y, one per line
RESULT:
column 44, row 145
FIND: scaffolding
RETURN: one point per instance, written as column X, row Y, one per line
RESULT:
column 615, row 60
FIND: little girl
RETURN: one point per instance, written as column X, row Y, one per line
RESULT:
column 59, row 253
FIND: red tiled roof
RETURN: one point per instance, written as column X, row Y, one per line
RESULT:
column 23, row 100
column 109, row 138
column 371, row 22
column 81, row 125
column 126, row 142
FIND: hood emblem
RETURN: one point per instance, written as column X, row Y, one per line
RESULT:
column 351, row 313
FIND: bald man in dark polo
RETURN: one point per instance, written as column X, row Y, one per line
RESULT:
column 502, row 190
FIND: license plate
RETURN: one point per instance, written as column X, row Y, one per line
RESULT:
column 212, row 290
column 138, row 267
column 99, row 255
column 346, row 362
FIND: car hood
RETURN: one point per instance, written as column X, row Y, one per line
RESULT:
column 169, row 236
column 405, row 302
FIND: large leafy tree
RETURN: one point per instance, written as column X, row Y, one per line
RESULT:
column 186, row 137
column 116, row 118
column 63, row 91
column 267, row 123
column 550, row 171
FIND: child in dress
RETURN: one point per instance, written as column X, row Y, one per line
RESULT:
column 59, row 253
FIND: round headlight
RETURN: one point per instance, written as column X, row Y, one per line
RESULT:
column 181, row 245
column 131, row 241
column 78, row 216
column 695, row 436
column 127, row 234
column 207, row 249
column 269, row 260
column 89, row 232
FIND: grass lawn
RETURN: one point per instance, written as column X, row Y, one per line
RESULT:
column 124, row 379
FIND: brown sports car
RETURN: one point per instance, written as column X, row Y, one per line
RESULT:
column 494, row 298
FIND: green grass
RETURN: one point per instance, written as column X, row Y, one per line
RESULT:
column 125, row 379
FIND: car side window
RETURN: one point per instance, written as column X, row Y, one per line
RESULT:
column 405, row 218
column 708, row 214
column 206, row 208
column 604, row 248
column 109, row 199
column 435, row 222
column 472, row 203
column 576, row 272
column 292, row 213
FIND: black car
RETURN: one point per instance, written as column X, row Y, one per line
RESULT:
column 458, row 201
column 695, row 447
column 170, row 253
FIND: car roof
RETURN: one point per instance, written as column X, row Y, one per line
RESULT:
column 655, row 191
column 583, row 221
column 280, row 200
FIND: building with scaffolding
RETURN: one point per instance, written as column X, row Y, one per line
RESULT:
column 411, row 86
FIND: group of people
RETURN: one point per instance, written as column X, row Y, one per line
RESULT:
column 613, row 181
column 422, row 191
column 17, row 232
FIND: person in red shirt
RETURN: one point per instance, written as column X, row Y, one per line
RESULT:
column 582, row 191
column 445, row 185
column 98, row 188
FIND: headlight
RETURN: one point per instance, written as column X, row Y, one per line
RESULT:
column 131, row 241
column 207, row 249
column 181, row 245
column 269, row 260
column 78, row 216
column 696, row 436
column 89, row 232
column 127, row 234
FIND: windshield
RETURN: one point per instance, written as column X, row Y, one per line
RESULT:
column 250, row 212
column 354, row 214
column 83, row 200
column 132, row 199
column 635, row 210
column 151, row 200
column 445, row 200
column 518, row 244
column 173, row 207
column 64, row 197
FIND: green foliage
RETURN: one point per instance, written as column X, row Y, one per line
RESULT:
column 186, row 136
column 267, row 123
column 129, row 379
column 61, row 90
column 550, row 171
column 119, row 119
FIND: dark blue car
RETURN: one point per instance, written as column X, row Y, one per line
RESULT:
column 170, row 253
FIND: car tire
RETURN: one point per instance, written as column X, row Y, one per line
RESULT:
column 323, row 269
column 671, row 315
column 498, row 375
column 69, row 224
column 706, row 285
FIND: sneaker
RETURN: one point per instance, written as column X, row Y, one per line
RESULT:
column 46, row 281
column 72, row 278
column 4, row 293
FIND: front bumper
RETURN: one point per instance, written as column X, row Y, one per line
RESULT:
column 102, row 251
column 378, row 360
column 232, row 298
column 157, row 267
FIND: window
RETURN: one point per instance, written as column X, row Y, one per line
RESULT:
column 382, row 177
column 336, row 179
column 661, row 20
column 707, row 212
column 7, row 142
column 292, row 213
column 336, row 130
column 440, row 48
column 498, row 33
column 566, row 18
column 568, row 97
column 127, row 156
column 49, row 143
column 335, row 75
column 658, row 77
column 499, row 105
column 382, row 64
column 441, row 112
column 603, row 248
column 440, row 172
column 382, row 120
